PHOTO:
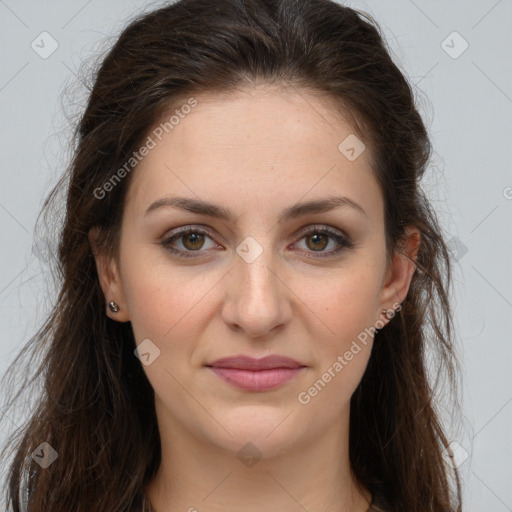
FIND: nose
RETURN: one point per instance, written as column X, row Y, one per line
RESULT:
column 257, row 298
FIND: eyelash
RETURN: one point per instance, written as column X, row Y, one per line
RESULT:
column 341, row 240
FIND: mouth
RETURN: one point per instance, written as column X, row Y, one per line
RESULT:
column 258, row 375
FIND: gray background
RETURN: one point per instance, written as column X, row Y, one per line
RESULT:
column 466, row 100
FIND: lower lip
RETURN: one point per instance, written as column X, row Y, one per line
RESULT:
column 257, row 380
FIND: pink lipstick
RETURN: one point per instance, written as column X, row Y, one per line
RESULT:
column 251, row 374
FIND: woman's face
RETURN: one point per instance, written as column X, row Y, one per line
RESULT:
column 256, row 276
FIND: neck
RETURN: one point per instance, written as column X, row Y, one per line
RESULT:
column 313, row 475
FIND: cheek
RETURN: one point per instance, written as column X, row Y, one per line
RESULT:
column 347, row 316
column 341, row 356
column 168, row 307
column 153, row 310
column 346, row 305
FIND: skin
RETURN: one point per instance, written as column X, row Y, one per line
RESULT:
column 256, row 153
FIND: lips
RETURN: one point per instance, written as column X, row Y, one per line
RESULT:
column 256, row 375
column 250, row 363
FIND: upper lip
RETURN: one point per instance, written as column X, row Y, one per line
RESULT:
column 250, row 363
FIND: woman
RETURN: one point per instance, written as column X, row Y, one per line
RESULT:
column 248, row 269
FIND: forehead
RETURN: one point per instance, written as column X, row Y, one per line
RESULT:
column 256, row 146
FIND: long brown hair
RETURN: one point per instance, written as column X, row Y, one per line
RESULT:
column 96, row 407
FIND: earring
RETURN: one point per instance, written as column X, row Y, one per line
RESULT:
column 113, row 306
column 390, row 313
column 384, row 312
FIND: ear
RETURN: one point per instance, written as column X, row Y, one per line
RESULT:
column 109, row 277
column 399, row 273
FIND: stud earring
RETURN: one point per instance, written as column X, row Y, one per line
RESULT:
column 384, row 312
column 390, row 313
column 113, row 306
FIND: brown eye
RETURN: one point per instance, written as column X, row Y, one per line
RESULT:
column 319, row 241
column 193, row 241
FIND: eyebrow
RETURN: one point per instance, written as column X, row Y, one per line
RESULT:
column 298, row 210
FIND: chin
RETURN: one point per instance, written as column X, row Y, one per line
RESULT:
column 259, row 428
